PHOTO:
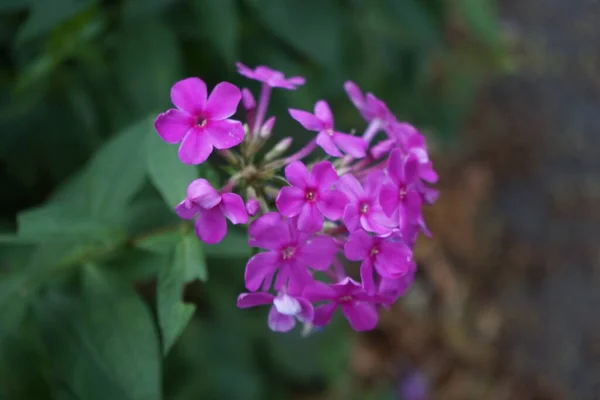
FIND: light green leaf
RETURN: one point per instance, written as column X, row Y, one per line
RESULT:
column 219, row 20
column 103, row 345
column 45, row 15
column 307, row 25
column 148, row 62
column 187, row 264
column 118, row 170
column 170, row 176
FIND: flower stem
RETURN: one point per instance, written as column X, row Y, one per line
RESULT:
column 371, row 130
column 263, row 104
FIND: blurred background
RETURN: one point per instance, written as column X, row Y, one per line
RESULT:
column 503, row 307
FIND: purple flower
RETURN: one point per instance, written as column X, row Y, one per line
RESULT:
column 290, row 252
column 394, row 288
column 357, row 306
column 252, row 206
column 400, row 198
column 309, row 197
column 285, row 309
column 272, row 78
column 329, row 140
column 369, row 106
column 201, row 124
column 391, row 259
column 212, row 209
column 363, row 209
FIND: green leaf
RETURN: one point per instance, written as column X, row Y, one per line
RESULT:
column 162, row 243
column 219, row 19
column 46, row 15
column 148, row 62
column 117, row 171
column 234, row 245
column 170, row 176
column 102, row 345
column 481, row 19
column 14, row 5
column 187, row 264
column 313, row 27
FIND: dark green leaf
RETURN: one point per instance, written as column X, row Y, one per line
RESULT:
column 307, row 25
column 46, row 15
column 187, row 264
column 103, row 346
column 235, row 245
column 162, row 243
column 148, row 62
column 14, row 5
column 170, row 176
column 481, row 19
column 219, row 21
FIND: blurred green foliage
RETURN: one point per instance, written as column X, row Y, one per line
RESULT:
column 92, row 282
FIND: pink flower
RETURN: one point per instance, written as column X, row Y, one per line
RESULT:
column 212, row 209
column 285, row 309
column 309, row 197
column 357, row 306
column 363, row 209
column 201, row 124
column 290, row 252
column 392, row 289
column 391, row 259
column 252, row 206
column 329, row 140
column 400, row 198
column 369, row 106
column 270, row 77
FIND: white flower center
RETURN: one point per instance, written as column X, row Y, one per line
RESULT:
column 286, row 305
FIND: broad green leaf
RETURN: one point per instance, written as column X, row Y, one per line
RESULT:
column 102, row 345
column 148, row 62
column 313, row 27
column 170, row 176
column 162, row 243
column 219, row 21
column 118, row 170
column 46, row 15
column 481, row 19
column 133, row 265
column 187, row 264
column 234, row 245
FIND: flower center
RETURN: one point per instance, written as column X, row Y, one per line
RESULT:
column 402, row 192
column 310, row 195
column 374, row 251
column 345, row 299
column 287, row 305
column 201, row 121
column 364, row 208
column 330, row 131
column 288, row 252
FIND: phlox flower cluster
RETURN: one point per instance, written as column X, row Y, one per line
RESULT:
column 312, row 214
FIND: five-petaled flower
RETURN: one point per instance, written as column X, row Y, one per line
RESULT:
column 201, row 124
column 330, row 140
column 211, row 209
column 270, row 76
column 310, row 197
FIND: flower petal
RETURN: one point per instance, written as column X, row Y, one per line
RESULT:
column 355, row 95
column 396, row 166
column 366, row 276
column 186, row 209
column 410, row 169
column 246, row 300
column 332, row 203
column 351, row 217
column 394, row 260
column 358, row 246
column 297, row 174
column 323, row 175
column 361, row 316
column 223, row 101
column 383, row 148
column 290, row 201
column 201, row 192
column 232, row 206
column 286, row 304
column 324, row 313
column 172, row 125
column 307, row 312
column 258, row 268
column 279, row 322
column 325, row 141
column 244, row 70
column 350, row 186
column 319, row 291
column 427, row 173
column 389, row 198
column 195, row 147
column 224, row 134
column 306, row 119
column 323, row 112
column 310, row 218
column 189, row 95
column 269, row 231
column 211, row 226
column 296, row 80
column 318, row 252
column 352, row 145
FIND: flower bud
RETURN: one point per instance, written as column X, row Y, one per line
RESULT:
column 279, row 149
column 252, row 206
column 265, row 131
column 248, row 100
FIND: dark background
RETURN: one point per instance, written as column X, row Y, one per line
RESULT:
column 504, row 304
